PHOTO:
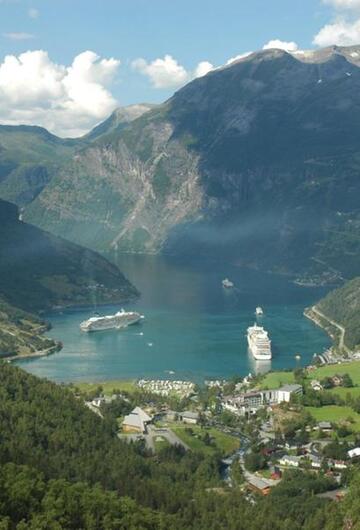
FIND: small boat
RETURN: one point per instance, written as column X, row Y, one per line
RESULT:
column 259, row 311
column 227, row 284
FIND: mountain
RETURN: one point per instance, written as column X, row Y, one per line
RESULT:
column 257, row 162
column 31, row 156
column 39, row 271
column 119, row 119
column 342, row 305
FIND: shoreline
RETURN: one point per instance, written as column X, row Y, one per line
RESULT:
column 34, row 355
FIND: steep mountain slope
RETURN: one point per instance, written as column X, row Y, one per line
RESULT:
column 343, row 306
column 29, row 157
column 39, row 271
column 258, row 162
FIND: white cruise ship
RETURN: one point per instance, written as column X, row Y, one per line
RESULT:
column 259, row 343
column 121, row 319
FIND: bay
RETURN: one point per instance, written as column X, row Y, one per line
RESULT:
column 193, row 328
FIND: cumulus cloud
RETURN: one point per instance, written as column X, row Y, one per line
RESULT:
column 281, row 45
column 168, row 73
column 20, row 35
column 343, row 4
column 163, row 73
column 33, row 13
column 203, row 68
column 67, row 100
column 340, row 32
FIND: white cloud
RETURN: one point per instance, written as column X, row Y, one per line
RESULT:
column 340, row 32
column 343, row 4
column 163, row 73
column 33, row 13
column 66, row 100
column 18, row 35
column 281, row 45
column 203, row 68
column 238, row 57
column 168, row 73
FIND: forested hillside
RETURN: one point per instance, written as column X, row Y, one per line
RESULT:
column 63, row 467
column 39, row 271
column 343, row 306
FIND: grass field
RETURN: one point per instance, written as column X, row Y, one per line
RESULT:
column 225, row 443
column 121, row 385
column 277, row 379
column 335, row 414
column 353, row 369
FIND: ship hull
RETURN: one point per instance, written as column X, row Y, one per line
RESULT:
column 259, row 346
column 106, row 324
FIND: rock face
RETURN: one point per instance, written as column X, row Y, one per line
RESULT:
column 257, row 162
column 39, row 270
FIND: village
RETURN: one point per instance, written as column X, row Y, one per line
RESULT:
column 260, row 427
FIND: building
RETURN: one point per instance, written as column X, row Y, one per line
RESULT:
column 315, row 461
column 136, row 421
column 258, row 485
column 287, row 391
column 189, row 417
column 324, row 426
column 353, row 453
column 316, row 385
column 291, row 461
column 337, row 380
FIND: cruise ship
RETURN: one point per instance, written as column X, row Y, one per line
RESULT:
column 259, row 343
column 121, row 319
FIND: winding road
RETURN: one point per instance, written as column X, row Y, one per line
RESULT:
column 335, row 324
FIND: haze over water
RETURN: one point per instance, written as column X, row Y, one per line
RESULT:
column 193, row 326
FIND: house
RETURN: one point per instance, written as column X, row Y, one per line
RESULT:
column 189, row 417
column 287, row 391
column 353, row 453
column 324, row 426
column 315, row 461
column 136, row 421
column 288, row 460
column 340, row 464
column 316, row 385
column 258, row 485
column 171, row 415
column 337, row 380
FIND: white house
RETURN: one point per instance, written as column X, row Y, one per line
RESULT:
column 288, row 460
column 353, row 453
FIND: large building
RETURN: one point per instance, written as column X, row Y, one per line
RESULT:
column 251, row 401
column 136, row 421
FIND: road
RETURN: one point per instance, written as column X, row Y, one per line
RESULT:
column 168, row 434
column 333, row 323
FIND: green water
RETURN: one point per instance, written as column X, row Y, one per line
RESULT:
column 193, row 327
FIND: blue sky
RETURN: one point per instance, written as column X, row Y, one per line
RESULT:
column 190, row 31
